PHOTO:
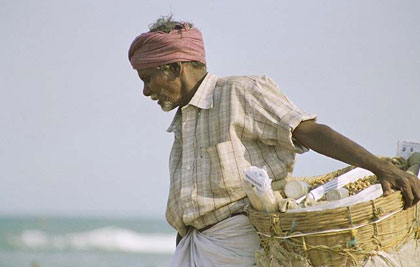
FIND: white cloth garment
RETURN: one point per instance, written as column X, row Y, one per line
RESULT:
column 231, row 242
column 406, row 256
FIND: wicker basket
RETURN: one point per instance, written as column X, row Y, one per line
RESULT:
column 343, row 236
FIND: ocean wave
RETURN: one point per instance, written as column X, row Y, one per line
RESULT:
column 102, row 239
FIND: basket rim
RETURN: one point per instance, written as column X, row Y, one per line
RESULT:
column 394, row 196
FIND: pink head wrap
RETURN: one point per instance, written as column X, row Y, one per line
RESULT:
column 152, row 49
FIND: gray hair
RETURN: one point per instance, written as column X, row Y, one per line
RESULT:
column 167, row 24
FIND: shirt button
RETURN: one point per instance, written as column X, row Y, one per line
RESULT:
column 188, row 167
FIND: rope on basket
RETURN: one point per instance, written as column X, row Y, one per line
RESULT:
column 340, row 230
column 376, row 214
column 286, row 256
column 295, row 246
column 275, row 224
column 353, row 241
column 283, row 246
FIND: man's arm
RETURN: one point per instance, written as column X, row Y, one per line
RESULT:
column 326, row 141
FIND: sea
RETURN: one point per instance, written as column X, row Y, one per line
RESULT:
column 45, row 241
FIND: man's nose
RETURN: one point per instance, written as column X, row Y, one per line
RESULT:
column 146, row 90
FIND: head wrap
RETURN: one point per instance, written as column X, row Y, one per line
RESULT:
column 152, row 49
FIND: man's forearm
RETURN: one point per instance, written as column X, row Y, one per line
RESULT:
column 326, row 141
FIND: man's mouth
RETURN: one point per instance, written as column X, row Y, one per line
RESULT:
column 166, row 105
column 154, row 97
column 163, row 102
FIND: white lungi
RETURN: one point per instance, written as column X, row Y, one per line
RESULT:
column 231, row 242
column 406, row 256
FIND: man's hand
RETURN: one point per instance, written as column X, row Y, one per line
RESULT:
column 328, row 142
column 392, row 177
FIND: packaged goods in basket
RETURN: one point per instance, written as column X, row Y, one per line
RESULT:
column 257, row 186
column 350, row 230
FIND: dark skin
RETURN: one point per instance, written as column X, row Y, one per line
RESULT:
column 328, row 142
column 181, row 81
column 177, row 84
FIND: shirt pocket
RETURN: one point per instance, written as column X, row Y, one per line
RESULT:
column 225, row 178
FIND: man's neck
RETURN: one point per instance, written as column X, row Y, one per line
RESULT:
column 194, row 83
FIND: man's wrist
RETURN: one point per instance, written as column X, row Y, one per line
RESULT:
column 384, row 168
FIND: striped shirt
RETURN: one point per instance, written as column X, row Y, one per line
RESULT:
column 229, row 125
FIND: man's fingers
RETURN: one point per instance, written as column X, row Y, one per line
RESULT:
column 416, row 189
column 408, row 184
column 386, row 187
column 408, row 196
column 410, row 188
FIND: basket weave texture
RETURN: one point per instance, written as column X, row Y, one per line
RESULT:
column 344, row 236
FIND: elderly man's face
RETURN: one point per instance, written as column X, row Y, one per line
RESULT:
column 163, row 86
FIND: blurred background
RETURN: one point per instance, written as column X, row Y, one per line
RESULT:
column 84, row 156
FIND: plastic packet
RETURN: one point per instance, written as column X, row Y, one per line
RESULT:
column 257, row 186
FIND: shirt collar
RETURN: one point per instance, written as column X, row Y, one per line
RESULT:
column 175, row 122
column 203, row 98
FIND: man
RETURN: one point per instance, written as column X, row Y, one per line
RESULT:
column 222, row 126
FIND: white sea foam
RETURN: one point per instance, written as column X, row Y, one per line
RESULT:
column 106, row 239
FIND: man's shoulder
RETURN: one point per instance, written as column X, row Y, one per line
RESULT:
column 245, row 80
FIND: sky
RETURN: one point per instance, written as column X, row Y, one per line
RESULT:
column 78, row 138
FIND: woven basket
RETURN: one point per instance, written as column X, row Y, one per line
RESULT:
column 343, row 236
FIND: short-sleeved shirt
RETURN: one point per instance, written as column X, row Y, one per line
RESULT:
column 229, row 125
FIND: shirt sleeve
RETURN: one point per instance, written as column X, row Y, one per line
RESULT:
column 275, row 116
